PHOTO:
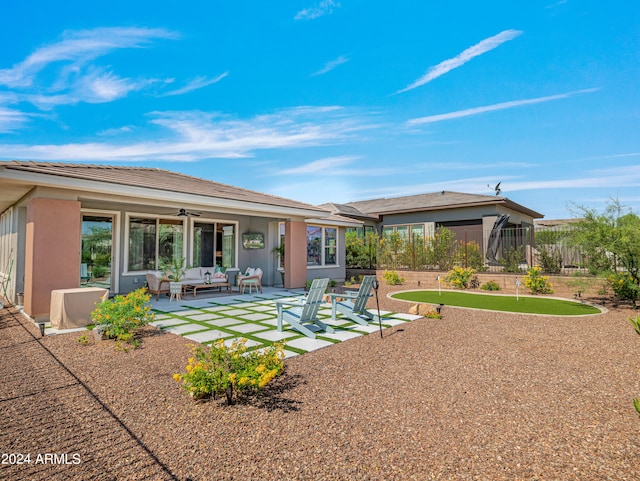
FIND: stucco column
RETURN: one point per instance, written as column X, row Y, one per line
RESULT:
column 295, row 254
column 52, row 252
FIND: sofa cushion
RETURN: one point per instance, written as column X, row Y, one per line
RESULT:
column 194, row 273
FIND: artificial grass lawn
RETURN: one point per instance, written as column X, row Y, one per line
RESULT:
column 527, row 305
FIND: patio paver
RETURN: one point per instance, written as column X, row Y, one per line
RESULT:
column 253, row 317
column 207, row 336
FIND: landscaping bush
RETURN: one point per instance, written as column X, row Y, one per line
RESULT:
column 120, row 317
column 469, row 255
column 461, row 278
column 536, row 282
column 392, row 278
column 230, row 370
column 511, row 259
column 441, row 249
column 490, row 286
column 624, row 287
column 361, row 251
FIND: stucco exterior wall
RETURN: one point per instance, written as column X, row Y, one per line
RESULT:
column 295, row 253
column 52, row 252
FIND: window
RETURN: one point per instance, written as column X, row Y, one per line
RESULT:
column 214, row 244
column 330, row 244
column 322, row 246
column 153, row 241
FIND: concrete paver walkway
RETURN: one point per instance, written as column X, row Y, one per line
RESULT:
column 254, row 317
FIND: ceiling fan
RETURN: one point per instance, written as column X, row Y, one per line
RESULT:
column 185, row 213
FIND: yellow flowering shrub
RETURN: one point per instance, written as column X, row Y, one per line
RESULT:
column 461, row 278
column 536, row 282
column 230, row 370
column 120, row 317
column 624, row 287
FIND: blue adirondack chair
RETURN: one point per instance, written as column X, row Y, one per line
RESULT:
column 354, row 304
column 304, row 311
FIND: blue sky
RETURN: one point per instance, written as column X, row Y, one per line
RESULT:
column 325, row 100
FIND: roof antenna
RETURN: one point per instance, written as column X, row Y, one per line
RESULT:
column 496, row 188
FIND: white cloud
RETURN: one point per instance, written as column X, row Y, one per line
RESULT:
column 195, row 84
column 323, row 8
column 329, row 66
column 116, row 131
column 11, row 119
column 189, row 136
column 77, row 48
column 492, row 108
column 480, row 48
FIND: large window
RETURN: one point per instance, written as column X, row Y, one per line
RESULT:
column 214, row 244
column 154, row 241
column 322, row 246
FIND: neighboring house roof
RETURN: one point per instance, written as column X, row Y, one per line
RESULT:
column 435, row 201
column 556, row 222
column 141, row 180
column 349, row 211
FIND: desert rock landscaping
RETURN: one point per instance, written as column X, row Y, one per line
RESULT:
column 474, row 395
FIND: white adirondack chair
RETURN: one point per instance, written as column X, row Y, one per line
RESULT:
column 305, row 311
column 354, row 304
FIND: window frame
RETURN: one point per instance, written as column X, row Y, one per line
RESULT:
column 324, row 246
column 127, row 240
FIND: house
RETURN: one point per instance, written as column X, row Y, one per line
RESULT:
column 472, row 217
column 66, row 224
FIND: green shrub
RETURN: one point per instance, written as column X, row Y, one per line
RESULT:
column 120, row 317
column 98, row 271
column 392, row 278
column 469, row 255
column 490, row 286
column 230, row 370
column 511, row 259
column 461, row 278
column 536, row 282
column 624, row 287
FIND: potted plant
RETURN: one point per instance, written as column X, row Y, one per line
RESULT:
column 174, row 270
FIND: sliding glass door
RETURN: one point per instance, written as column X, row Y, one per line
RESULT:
column 96, row 263
column 214, row 244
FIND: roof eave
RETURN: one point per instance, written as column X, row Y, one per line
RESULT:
column 92, row 186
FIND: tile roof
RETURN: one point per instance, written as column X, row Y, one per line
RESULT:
column 154, row 178
column 348, row 211
column 434, row 201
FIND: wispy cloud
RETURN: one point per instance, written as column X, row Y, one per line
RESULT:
column 329, row 66
column 556, row 4
column 492, row 108
column 612, row 178
column 189, row 136
column 320, row 165
column 480, row 48
column 77, row 48
column 116, row 131
column 323, row 8
column 195, row 84
column 11, row 119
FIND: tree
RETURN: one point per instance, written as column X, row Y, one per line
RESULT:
column 610, row 239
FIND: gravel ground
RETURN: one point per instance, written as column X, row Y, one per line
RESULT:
column 473, row 396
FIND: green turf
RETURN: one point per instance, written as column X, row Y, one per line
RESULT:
column 529, row 305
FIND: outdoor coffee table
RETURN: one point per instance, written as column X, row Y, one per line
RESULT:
column 213, row 285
